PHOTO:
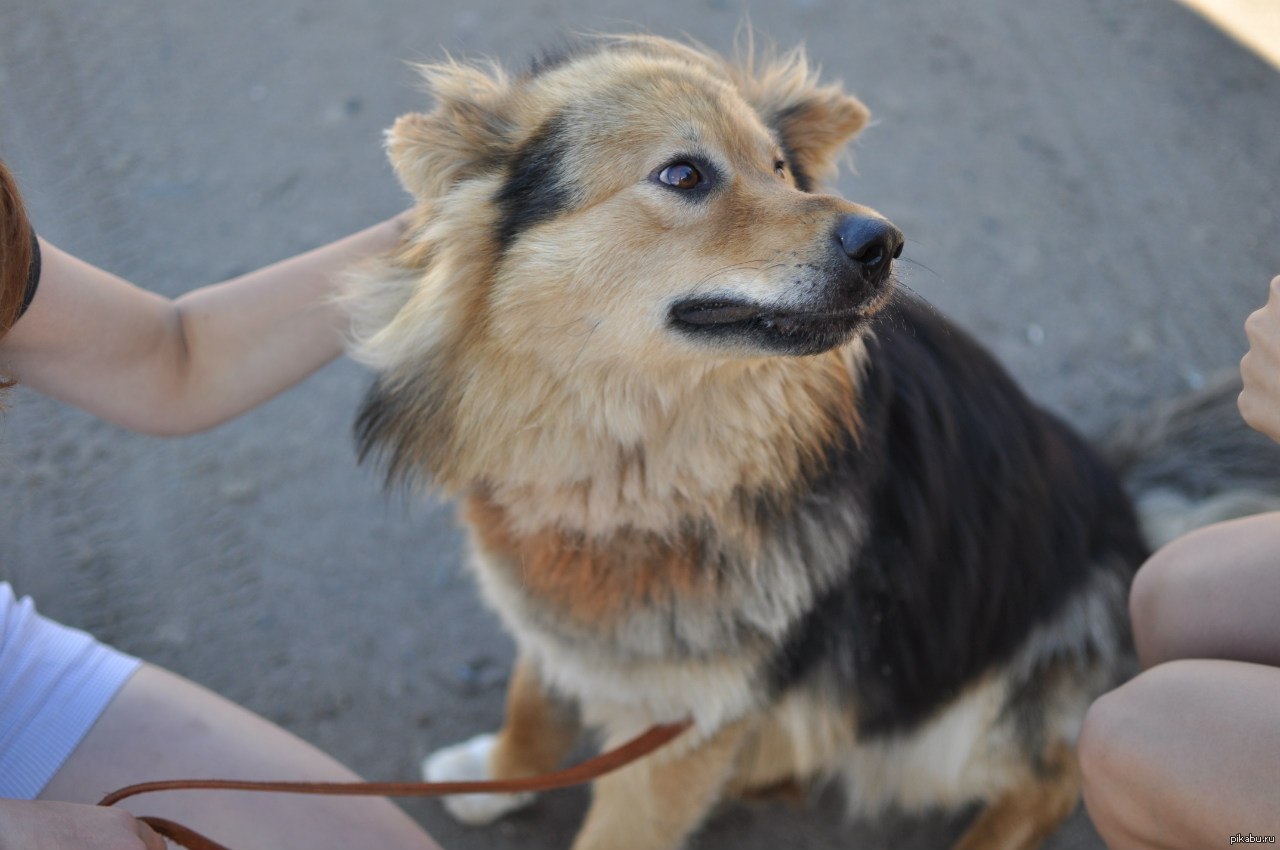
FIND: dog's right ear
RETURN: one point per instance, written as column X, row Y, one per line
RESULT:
column 465, row 135
column 815, row 122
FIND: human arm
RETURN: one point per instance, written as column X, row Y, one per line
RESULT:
column 169, row 367
column 1260, row 368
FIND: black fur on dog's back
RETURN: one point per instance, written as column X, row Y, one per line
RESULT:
column 985, row 515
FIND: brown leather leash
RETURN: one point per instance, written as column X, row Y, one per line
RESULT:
column 593, row 768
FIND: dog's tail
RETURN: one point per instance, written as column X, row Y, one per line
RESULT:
column 1193, row 461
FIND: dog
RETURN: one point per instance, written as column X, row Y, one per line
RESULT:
column 716, row 465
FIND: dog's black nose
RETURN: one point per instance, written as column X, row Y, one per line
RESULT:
column 870, row 242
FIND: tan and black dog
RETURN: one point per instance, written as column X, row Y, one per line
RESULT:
column 714, row 467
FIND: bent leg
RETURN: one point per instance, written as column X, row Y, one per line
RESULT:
column 538, row 733
column 1213, row 593
column 1023, row 817
column 656, row 802
column 161, row 726
column 1184, row 756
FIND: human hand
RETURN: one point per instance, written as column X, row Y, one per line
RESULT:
column 1260, row 368
column 48, row 825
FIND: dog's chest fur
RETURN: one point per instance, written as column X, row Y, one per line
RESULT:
column 638, row 624
column 695, row 592
column 671, row 576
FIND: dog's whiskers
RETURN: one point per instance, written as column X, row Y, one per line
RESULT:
column 753, row 265
column 921, row 265
column 572, row 323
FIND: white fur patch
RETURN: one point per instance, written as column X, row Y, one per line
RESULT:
column 469, row 762
column 712, row 692
column 963, row 754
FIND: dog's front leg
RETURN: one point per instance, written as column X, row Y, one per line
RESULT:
column 1027, row 814
column 539, row 731
column 655, row 803
column 536, row 736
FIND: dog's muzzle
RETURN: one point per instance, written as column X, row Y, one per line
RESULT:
column 854, row 282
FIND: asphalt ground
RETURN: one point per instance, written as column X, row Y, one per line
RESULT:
column 1091, row 187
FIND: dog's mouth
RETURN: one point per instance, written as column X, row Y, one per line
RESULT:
column 787, row 331
column 719, row 313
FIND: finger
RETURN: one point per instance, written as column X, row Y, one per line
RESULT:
column 150, row 838
column 1252, row 325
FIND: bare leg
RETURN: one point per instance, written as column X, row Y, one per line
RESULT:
column 1185, row 756
column 656, row 802
column 1213, row 593
column 161, row 726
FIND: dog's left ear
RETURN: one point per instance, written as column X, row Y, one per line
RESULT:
column 464, row 136
column 814, row 121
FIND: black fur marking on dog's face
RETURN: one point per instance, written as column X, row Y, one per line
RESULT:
column 985, row 514
column 535, row 190
column 804, row 181
column 555, row 57
column 398, row 429
column 375, row 426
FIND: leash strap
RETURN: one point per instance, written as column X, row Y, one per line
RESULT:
column 593, row 768
column 181, row 835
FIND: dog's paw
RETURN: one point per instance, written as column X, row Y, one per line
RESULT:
column 467, row 762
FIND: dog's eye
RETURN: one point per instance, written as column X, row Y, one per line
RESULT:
column 780, row 168
column 681, row 175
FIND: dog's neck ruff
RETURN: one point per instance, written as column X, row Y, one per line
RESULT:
column 645, row 455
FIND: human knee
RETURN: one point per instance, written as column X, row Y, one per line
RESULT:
column 1099, row 752
column 1120, row 756
column 1103, row 740
column 1163, row 596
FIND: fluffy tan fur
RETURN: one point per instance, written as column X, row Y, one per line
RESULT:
column 535, row 378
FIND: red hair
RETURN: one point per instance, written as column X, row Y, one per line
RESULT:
column 15, row 253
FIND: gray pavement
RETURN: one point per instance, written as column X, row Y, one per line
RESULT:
column 1089, row 185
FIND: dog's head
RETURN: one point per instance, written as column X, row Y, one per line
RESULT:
column 643, row 201
column 597, row 237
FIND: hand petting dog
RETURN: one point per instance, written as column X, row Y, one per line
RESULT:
column 1260, row 368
